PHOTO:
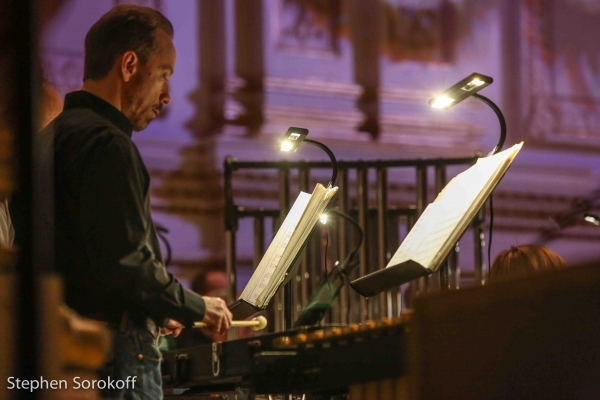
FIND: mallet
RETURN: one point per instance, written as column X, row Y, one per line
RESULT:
column 256, row 324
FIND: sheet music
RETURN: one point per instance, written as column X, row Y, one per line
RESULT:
column 438, row 236
column 444, row 220
column 319, row 201
column 260, row 279
column 416, row 235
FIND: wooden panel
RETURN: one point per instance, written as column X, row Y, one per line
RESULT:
column 531, row 338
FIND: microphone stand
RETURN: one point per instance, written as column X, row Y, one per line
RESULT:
column 323, row 298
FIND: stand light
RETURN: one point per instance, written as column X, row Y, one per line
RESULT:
column 466, row 88
column 294, row 137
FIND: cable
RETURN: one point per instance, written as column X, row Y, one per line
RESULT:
column 490, row 241
column 325, row 253
column 496, row 149
column 348, row 311
column 322, row 299
column 326, row 269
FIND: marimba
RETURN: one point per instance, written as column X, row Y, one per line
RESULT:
column 366, row 360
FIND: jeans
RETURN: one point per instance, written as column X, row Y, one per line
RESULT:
column 134, row 355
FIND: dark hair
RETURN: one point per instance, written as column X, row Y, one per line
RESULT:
column 125, row 27
column 524, row 260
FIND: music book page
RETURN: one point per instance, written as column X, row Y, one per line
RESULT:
column 286, row 246
column 409, row 246
column 444, row 221
column 261, row 276
column 318, row 201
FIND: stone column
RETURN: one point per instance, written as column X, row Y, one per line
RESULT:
column 510, row 46
column 210, row 97
column 365, row 28
column 249, row 64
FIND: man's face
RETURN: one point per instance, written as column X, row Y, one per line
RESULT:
column 148, row 89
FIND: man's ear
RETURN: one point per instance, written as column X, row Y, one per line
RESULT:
column 129, row 64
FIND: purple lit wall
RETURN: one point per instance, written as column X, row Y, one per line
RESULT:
column 359, row 75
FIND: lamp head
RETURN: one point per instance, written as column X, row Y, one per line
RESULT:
column 292, row 139
column 460, row 91
column 592, row 219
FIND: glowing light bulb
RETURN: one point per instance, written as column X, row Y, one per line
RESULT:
column 442, row 102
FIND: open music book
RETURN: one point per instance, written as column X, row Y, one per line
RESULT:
column 282, row 253
column 440, row 226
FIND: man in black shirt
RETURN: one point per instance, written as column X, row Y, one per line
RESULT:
column 106, row 244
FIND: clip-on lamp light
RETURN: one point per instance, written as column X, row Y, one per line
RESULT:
column 294, row 137
column 466, row 88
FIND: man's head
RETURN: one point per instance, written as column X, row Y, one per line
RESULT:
column 132, row 48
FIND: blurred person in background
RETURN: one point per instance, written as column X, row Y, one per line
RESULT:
column 525, row 260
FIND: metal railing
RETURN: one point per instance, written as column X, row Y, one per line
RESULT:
column 381, row 223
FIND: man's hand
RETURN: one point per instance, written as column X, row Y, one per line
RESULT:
column 172, row 327
column 217, row 316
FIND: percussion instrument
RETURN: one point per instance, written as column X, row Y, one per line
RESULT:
column 530, row 338
column 318, row 360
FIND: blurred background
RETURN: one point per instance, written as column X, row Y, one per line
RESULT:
column 358, row 75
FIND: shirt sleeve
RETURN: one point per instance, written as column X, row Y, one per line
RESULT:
column 118, row 230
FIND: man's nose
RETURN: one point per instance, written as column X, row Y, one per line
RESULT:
column 165, row 97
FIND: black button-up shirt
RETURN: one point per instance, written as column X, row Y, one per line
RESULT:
column 106, row 245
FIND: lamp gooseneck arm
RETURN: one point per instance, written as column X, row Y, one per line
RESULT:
column 500, row 118
column 346, row 266
column 331, row 157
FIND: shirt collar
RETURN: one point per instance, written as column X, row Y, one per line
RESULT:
column 83, row 99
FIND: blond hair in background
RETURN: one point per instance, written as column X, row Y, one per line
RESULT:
column 525, row 260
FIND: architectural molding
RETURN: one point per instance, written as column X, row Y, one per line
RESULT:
column 342, row 120
column 319, row 118
column 554, row 117
column 422, row 131
column 63, row 69
column 422, row 31
column 417, row 97
column 312, row 87
column 339, row 96
column 307, row 29
column 396, row 130
column 516, row 210
column 184, row 180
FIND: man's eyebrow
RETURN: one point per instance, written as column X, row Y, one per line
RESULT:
column 167, row 67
